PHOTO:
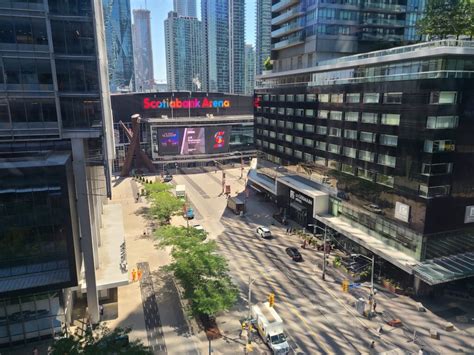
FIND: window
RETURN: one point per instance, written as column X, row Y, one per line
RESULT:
column 365, row 174
column 280, row 148
column 266, row 97
column 299, row 112
column 350, row 134
column 79, row 112
column 439, row 146
column 265, row 133
column 265, row 144
column 353, row 98
column 273, row 110
column 350, row 152
column 366, row 155
column 273, row 97
column 334, row 148
column 436, row 169
column 265, row 121
column 310, row 97
column 335, row 115
column 387, row 160
column 368, row 117
column 281, row 124
column 289, row 124
column 322, row 130
column 443, row 97
column 281, row 136
column 272, row 123
column 309, row 113
column 386, row 180
column 290, row 98
column 323, row 113
column 392, row 98
column 308, row 157
column 290, row 112
column 300, row 98
column 288, row 151
column 272, row 134
column 289, row 138
column 281, row 98
column 299, row 126
column 309, row 128
column 308, row 142
column 72, row 8
column 323, row 97
column 299, row 140
column 345, row 168
column 368, row 137
column 334, row 132
column 390, row 119
column 73, row 37
column 351, row 116
column 271, row 146
column 389, row 140
column 434, row 191
column 337, row 98
column 298, row 154
column 320, row 145
column 371, row 98
column 441, row 122
column 281, row 110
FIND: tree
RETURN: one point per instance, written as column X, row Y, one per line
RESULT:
column 102, row 341
column 164, row 205
column 157, row 187
column 447, row 17
column 199, row 269
column 268, row 65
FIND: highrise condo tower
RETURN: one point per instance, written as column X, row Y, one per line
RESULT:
column 263, row 37
column 185, row 7
column 142, row 50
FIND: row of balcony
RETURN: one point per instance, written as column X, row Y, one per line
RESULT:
column 293, row 40
column 287, row 29
column 288, row 15
column 281, row 5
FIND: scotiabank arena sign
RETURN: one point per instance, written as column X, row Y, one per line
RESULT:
column 153, row 104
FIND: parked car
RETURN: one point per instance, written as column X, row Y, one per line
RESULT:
column 264, row 232
column 294, row 254
column 374, row 208
column 167, row 178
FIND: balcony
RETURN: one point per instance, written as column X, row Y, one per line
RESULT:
column 289, row 42
column 288, row 15
column 383, row 22
column 287, row 29
column 281, row 5
column 380, row 6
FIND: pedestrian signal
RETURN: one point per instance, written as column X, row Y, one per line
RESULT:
column 271, row 299
column 345, row 285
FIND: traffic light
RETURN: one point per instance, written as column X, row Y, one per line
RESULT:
column 345, row 285
column 271, row 299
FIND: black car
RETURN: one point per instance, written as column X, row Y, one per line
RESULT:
column 167, row 178
column 294, row 254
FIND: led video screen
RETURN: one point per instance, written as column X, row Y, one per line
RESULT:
column 193, row 140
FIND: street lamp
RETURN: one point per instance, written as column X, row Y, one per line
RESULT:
column 324, row 246
column 251, row 282
column 372, row 260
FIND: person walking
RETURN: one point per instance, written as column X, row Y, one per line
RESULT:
column 375, row 306
column 372, row 345
column 134, row 275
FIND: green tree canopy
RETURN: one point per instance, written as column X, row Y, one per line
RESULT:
column 199, row 269
column 102, row 341
column 447, row 17
column 164, row 205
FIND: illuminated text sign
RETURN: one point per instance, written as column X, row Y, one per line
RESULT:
column 151, row 104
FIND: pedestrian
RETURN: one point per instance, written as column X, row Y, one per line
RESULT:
column 421, row 351
column 139, row 274
column 134, row 275
column 101, row 310
column 287, row 230
column 35, row 351
column 375, row 306
column 372, row 345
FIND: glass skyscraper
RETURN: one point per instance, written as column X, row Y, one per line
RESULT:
column 142, row 49
column 56, row 142
column 224, row 42
column 263, row 37
column 184, row 67
column 306, row 32
column 185, row 7
column 249, row 69
column 118, row 34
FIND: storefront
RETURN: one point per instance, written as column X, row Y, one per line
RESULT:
column 300, row 207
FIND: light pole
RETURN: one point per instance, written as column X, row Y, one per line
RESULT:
column 324, row 246
column 251, row 282
column 372, row 260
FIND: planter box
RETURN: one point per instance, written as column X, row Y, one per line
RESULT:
column 267, row 72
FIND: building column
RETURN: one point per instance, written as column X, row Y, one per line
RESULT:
column 87, row 241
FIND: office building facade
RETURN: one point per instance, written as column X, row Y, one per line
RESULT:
column 56, row 143
column 183, row 39
column 142, row 50
column 306, row 32
column 388, row 136
column 263, row 38
column 118, row 34
column 223, row 24
column 185, row 8
column 249, row 69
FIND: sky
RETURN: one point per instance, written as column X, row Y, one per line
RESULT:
column 159, row 12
